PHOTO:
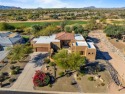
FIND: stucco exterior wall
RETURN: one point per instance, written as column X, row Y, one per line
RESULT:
column 91, row 54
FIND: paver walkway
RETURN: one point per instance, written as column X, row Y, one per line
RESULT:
column 24, row 81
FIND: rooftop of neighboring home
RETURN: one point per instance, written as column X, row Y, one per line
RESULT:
column 9, row 38
column 58, row 37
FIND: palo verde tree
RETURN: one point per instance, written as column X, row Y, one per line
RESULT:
column 19, row 51
column 69, row 61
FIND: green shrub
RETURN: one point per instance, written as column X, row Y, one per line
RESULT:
column 11, row 80
column 50, row 85
column 91, row 78
column 17, row 68
column 78, row 78
column 12, row 67
column 61, row 74
column 52, row 64
column 1, row 74
column 13, row 62
column 13, row 72
column 47, row 60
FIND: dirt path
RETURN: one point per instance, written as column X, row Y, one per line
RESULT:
column 115, row 60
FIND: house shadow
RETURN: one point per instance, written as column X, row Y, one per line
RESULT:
column 91, row 39
column 103, row 55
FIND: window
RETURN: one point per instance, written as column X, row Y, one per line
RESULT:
column 88, row 53
column 81, row 52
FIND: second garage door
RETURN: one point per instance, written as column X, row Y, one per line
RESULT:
column 42, row 49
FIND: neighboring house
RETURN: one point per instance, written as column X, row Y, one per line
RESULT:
column 73, row 42
column 9, row 38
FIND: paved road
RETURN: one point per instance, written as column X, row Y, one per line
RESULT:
column 3, row 54
column 24, row 82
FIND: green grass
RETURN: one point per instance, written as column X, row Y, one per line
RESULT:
column 29, row 24
column 118, row 22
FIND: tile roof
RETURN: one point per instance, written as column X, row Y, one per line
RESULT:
column 65, row 36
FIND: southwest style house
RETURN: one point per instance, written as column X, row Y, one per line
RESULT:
column 72, row 42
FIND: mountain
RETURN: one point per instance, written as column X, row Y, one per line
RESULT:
column 90, row 7
column 9, row 7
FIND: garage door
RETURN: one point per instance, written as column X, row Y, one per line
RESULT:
column 42, row 49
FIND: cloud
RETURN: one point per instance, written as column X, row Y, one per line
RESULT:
column 53, row 3
column 36, row 3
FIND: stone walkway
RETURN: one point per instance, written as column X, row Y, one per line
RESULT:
column 24, row 82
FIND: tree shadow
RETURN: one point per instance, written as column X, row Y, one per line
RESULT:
column 93, row 67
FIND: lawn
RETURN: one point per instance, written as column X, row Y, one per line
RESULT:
column 118, row 22
column 28, row 24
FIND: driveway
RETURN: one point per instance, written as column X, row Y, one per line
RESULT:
column 24, row 81
column 3, row 54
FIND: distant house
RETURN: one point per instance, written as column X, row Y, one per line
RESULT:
column 71, row 42
column 9, row 38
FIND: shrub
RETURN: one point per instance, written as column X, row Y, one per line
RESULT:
column 13, row 62
column 61, row 74
column 102, row 84
column 13, row 72
column 2, row 79
column 5, row 74
column 41, row 79
column 50, row 85
column 17, row 68
column 1, row 74
column 11, row 80
column 52, row 64
column 47, row 60
column 78, row 78
column 90, row 78
column 12, row 67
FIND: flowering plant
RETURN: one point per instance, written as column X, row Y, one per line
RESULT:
column 41, row 79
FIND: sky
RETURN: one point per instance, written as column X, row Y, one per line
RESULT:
column 63, row 3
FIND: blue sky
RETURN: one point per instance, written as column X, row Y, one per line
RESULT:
column 63, row 3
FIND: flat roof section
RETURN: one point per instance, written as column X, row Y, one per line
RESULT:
column 46, row 39
column 80, row 43
column 91, row 45
column 79, row 37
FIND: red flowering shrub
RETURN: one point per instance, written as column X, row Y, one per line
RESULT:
column 41, row 79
